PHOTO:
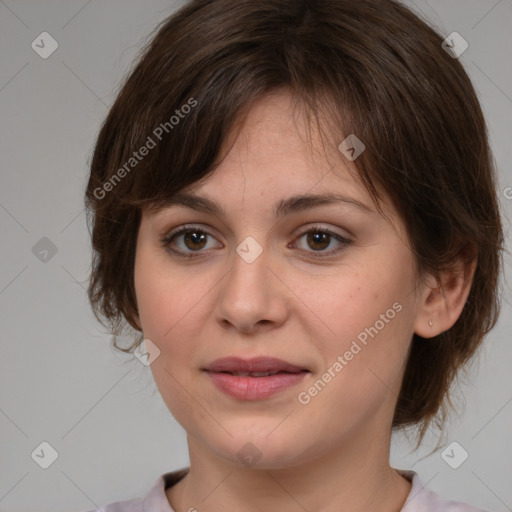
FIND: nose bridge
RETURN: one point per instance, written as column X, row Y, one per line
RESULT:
column 249, row 276
column 249, row 296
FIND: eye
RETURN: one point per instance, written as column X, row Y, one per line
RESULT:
column 195, row 239
column 319, row 238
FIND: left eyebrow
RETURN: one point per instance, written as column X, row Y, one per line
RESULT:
column 292, row 204
column 300, row 203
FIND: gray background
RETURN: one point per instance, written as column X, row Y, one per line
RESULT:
column 60, row 381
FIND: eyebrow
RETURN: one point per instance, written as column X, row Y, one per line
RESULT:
column 292, row 204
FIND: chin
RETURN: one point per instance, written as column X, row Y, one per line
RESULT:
column 252, row 446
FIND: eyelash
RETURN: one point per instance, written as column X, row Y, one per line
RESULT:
column 167, row 240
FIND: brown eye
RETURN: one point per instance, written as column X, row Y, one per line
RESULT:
column 318, row 239
column 195, row 239
column 187, row 241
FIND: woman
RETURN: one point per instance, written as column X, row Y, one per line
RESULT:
column 294, row 204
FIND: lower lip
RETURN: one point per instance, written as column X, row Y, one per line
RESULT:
column 254, row 388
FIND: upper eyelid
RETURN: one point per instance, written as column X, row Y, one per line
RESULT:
column 199, row 227
column 318, row 226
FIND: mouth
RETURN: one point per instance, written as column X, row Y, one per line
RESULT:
column 258, row 374
column 255, row 378
column 254, row 367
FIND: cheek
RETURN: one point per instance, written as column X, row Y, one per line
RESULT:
column 158, row 291
column 168, row 310
column 361, row 376
column 152, row 299
column 366, row 317
column 353, row 299
column 163, row 315
column 171, row 306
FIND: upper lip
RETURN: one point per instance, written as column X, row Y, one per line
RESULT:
column 255, row 364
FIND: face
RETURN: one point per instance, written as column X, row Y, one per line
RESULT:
column 322, row 294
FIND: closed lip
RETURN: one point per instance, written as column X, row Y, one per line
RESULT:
column 253, row 365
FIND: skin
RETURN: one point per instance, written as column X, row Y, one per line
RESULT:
column 332, row 453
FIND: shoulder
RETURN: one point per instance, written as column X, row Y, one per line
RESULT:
column 155, row 500
column 421, row 499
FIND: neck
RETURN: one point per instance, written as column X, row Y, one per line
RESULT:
column 357, row 477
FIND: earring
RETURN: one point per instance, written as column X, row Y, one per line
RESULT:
column 430, row 323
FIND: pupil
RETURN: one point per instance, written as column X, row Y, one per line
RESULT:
column 317, row 237
column 195, row 238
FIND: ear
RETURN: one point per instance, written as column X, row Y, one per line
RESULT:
column 443, row 299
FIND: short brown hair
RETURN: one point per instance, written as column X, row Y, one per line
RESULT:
column 370, row 68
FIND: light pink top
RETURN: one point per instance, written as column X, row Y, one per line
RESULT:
column 419, row 499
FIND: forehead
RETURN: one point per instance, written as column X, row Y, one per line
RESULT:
column 273, row 151
column 275, row 128
column 273, row 163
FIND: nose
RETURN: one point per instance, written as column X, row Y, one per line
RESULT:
column 252, row 298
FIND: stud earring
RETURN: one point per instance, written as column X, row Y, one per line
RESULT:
column 430, row 323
